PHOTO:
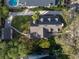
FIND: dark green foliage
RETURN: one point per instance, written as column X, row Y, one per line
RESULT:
column 55, row 50
column 13, row 49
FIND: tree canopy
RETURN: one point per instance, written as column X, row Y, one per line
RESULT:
column 43, row 43
column 35, row 16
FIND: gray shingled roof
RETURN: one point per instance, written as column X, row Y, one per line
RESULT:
column 38, row 2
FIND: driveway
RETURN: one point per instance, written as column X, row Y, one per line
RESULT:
column 29, row 13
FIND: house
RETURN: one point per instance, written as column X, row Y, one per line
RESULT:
column 45, row 27
column 31, row 3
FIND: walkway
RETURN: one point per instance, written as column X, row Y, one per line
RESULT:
column 27, row 35
column 29, row 13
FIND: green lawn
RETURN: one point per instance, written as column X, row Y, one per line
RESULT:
column 21, row 23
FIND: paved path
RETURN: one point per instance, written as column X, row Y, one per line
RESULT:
column 29, row 13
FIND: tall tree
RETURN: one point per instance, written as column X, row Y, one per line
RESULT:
column 43, row 43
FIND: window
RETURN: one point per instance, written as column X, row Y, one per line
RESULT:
column 51, row 30
column 58, row 29
column 49, row 19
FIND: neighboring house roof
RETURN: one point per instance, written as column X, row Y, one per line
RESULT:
column 38, row 2
column 24, row 3
column 45, row 27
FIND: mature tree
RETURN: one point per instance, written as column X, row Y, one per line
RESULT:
column 43, row 43
column 13, row 49
column 68, row 15
column 69, row 40
column 3, row 49
column 2, row 54
column 56, row 50
column 13, row 53
column 2, row 45
column 22, row 50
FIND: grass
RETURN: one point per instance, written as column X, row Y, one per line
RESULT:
column 21, row 23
